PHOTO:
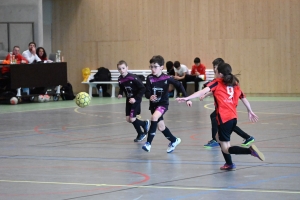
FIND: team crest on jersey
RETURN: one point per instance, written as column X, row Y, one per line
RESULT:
column 166, row 82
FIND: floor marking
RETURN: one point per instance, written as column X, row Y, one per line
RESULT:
column 155, row 187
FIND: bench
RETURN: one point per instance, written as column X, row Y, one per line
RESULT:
column 114, row 79
column 115, row 74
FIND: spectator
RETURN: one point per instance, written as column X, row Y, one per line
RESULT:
column 181, row 71
column 30, row 54
column 18, row 57
column 198, row 71
column 41, row 53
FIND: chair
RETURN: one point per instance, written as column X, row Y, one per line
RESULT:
column 52, row 56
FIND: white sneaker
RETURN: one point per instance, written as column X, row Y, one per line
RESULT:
column 172, row 146
column 147, row 146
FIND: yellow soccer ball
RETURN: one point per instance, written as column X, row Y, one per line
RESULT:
column 82, row 99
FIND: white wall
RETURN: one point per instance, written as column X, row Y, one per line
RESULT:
column 47, row 25
column 24, row 11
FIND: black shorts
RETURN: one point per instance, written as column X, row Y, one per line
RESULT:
column 132, row 110
column 225, row 130
column 161, row 109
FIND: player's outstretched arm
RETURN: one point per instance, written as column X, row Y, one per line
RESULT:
column 252, row 116
column 195, row 95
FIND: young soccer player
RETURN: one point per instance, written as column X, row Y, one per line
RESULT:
column 226, row 91
column 134, row 90
column 214, row 124
column 157, row 85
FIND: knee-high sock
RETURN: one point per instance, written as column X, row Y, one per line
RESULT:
column 227, row 157
column 238, row 150
column 137, row 125
column 152, row 131
column 214, row 125
column 167, row 133
column 241, row 133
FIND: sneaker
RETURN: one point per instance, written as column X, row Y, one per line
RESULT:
column 140, row 138
column 248, row 141
column 146, row 127
column 228, row 167
column 172, row 146
column 212, row 143
column 256, row 153
column 147, row 146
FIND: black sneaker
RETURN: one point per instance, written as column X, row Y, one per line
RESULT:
column 140, row 138
column 248, row 141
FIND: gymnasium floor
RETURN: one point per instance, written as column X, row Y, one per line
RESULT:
column 56, row 150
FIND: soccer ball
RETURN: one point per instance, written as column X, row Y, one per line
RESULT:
column 13, row 101
column 41, row 98
column 82, row 99
column 46, row 97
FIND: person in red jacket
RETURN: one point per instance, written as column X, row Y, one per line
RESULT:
column 198, row 73
column 18, row 57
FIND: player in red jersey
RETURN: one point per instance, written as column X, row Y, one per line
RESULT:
column 226, row 92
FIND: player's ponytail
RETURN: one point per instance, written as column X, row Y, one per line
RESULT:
column 228, row 78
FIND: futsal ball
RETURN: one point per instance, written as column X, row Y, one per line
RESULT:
column 46, row 97
column 41, row 98
column 13, row 101
column 82, row 99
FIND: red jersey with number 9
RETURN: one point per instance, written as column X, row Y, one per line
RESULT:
column 226, row 99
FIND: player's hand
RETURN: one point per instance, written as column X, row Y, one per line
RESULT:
column 33, row 50
column 201, row 98
column 153, row 98
column 119, row 96
column 197, row 73
column 132, row 100
column 252, row 117
column 189, row 103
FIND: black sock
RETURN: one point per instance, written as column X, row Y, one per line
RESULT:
column 167, row 133
column 241, row 133
column 238, row 150
column 214, row 125
column 152, row 131
column 226, row 156
column 137, row 126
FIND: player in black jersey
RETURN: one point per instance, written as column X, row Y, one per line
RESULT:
column 134, row 90
column 157, row 85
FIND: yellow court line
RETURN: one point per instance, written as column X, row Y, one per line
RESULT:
column 266, row 113
column 155, row 187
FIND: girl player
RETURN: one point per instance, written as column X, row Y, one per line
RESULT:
column 226, row 92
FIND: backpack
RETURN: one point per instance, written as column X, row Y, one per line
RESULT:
column 141, row 77
column 103, row 74
column 66, row 92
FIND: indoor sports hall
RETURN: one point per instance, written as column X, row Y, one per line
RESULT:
column 56, row 150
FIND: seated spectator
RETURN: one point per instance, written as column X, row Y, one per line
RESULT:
column 30, row 54
column 181, row 71
column 170, row 68
column 18, row 57
column 41, row 53
column 171, row 72
column 198, row 72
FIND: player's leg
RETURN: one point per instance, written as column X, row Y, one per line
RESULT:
column 214, row 129
column 156, row 114
column 248, row 139
column 131, row 111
